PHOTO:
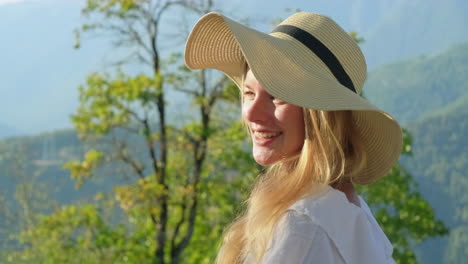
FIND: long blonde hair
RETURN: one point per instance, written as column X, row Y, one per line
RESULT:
column 332, row 151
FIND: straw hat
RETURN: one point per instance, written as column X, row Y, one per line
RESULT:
column 307, row 60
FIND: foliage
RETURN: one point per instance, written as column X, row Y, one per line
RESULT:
column 75, row 234
column 114, row 229
column 168, row 187
column 80, row 170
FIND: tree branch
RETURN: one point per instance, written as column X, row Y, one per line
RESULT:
column 139, row 169
column 187, row 91
column 216, row 92
column 174, row 252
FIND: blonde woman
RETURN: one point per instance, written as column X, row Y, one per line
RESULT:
column 314, row 133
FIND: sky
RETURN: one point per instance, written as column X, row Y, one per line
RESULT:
column 40, row 71
column 4, row 2
column 9, row 2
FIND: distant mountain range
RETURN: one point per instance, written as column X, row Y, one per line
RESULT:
column 429, row 95
column 412, row 89
column 6, row 131
column 440, row 165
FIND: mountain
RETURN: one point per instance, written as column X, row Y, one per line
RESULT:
column 440, row 165
column 40, row 158
column 7, row 131
column 429, row 96
column 411, row 89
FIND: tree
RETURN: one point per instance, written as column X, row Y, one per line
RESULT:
column 176, row 179
column 168, row 185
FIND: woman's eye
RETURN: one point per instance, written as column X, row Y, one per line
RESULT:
column 249, row 94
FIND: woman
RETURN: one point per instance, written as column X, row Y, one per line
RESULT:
column 316, row 135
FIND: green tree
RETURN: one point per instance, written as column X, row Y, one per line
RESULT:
column 182, row 170
column 174, row 176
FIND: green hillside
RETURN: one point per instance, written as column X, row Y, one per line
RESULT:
column 440, row 164
column 412, row 89
column 41, row 158
column 36, row 162
column 429, row 96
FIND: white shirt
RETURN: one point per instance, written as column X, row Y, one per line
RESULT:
column 327, row 228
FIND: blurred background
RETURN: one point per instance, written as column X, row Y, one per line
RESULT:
column 111, row 151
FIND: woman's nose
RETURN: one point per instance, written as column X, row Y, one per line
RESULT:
column 256, row 110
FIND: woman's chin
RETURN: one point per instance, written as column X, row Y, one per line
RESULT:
column 264, row 161
column 267, row 158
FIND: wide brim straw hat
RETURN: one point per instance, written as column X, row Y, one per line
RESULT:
column 307, row 60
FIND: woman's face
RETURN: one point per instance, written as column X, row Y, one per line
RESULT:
column 277, row 128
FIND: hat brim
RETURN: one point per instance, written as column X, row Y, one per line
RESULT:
column 218, row 42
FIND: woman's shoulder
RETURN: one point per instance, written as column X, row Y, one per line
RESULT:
column 351, row 228
column 326, row 204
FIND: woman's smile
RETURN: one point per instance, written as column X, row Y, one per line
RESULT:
column 265, row 138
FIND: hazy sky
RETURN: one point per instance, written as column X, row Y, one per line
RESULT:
column 40, row 71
